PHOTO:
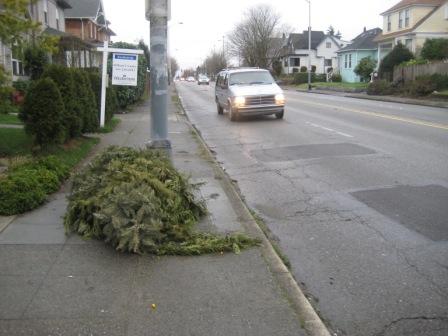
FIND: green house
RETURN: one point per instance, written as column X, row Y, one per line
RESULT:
column 349, row 57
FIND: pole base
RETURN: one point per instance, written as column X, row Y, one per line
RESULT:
column 163, row 145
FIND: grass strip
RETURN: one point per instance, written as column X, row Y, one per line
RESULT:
column 10, row 119
column 14, row 141
column 110, row 126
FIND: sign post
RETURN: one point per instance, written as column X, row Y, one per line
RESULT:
column 125, row 71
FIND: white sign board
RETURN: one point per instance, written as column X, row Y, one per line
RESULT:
column 125, row 69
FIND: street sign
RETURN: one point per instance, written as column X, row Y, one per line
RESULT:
column 125, row 69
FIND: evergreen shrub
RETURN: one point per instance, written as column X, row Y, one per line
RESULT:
column 86, row 98
column 336, row 78
column 380, row 88
column 43, row 112
column 64, row 80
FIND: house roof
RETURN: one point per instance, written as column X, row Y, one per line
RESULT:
column 407, row 3
column 364, row 41
column 82, row 8
column 300, row 41
column 63, row 4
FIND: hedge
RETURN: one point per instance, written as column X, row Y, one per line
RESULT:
column 111, row 96
column 86, row 98
column 127, row 95
column 63, row 78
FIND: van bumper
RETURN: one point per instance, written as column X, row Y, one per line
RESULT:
column 260, row 110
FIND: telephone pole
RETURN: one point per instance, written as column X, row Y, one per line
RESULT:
column 157, row 12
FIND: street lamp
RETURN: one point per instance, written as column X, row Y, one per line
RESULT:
column 309, row 45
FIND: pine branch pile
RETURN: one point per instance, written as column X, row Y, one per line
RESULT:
column 136, row 201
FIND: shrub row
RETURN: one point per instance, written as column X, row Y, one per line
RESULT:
column 63, row 104
column 421, row 86
column 26, row 186
column 128, row 95
column 302, row 78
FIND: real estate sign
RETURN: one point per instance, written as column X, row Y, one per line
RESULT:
column 124, row 69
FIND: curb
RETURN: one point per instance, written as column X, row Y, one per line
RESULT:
column 378, row 98
column 5, row 221
column 308, row 316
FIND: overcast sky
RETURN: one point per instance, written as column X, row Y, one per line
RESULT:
column 206, row 21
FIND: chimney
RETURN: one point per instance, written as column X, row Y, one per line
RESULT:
column 365, row 29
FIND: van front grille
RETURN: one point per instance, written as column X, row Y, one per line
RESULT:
column 260, row 100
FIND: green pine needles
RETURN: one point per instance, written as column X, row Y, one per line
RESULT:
column 136, row 201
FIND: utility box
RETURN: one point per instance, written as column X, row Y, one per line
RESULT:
column 162, row 11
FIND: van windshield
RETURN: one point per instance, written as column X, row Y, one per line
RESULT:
column 251, row 78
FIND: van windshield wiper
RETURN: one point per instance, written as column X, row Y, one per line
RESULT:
column 265, row 83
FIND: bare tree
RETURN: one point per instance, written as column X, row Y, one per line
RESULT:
column 256, row 40
column 214, row 63
column 174, row 66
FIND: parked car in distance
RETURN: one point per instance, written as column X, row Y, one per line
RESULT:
column 203, row 79
column 248, row 91
column 190, row 79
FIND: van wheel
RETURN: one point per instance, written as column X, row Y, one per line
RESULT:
column 280, row 115
column 233, row 114
column 219, row 108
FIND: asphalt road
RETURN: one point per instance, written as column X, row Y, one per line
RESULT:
column 356, row 193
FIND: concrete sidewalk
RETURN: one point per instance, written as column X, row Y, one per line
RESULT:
column 53, row 284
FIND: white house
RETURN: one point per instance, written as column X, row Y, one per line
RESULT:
column 295, row 53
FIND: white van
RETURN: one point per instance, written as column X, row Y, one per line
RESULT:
column 248, row 91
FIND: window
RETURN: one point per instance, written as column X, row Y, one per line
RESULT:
column 286, row 63
column 328, row 45
column 91, row 30
column 350, row 61
column 389, row 23
column 329, row 62
column 400, row 19
column 345, row 62
column 406, row 17
column 46, row 12
column 17, row 68
column 295, row 62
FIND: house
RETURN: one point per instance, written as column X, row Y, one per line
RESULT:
column 323, row 55
column 363, row 45
column 86, row 19
column 50, row 14
column 412, row 22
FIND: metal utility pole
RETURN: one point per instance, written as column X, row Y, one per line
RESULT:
column 309, row 45
column 158, row 11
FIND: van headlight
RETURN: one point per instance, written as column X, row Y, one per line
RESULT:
column 280, row 99
column 239, row 101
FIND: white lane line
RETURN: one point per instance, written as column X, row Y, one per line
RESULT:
column 345, row 134
column 330, row 130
